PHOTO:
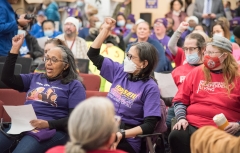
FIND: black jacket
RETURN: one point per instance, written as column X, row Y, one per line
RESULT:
column 35, row 50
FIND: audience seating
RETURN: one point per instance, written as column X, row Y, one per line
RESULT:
column 11, row 97
column 1, row 111
column 92, row 82
column 17, row 70
column 95, row 93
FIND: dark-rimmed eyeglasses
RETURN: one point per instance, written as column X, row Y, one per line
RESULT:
column 53, row 60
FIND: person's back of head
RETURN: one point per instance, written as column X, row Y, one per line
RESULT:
column 92, row 126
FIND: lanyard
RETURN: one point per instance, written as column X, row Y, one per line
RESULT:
column 71, row 45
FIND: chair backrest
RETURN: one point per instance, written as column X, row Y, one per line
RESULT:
column 83, row 65
column 96, row 93
column 11, row 97
column 17, row 70
column 41, row 41
column 161, row 125
column 25, row 62
column 91, row 81
column 1, row 110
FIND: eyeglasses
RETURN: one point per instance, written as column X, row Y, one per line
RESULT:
column 210, row 53
column 190, row 49
column 53, row 60
column 130, row 56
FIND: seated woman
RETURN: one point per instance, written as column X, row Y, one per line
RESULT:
column 92, row 128
column 207, row 90
column 134, row 92
column 143, row 33
column 50, row 43
column 56, row 93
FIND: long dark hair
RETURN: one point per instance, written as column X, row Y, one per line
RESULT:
column 172, row 2
column 148, row 52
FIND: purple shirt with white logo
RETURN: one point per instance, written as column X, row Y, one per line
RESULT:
column 52, row 100
column 133, row 101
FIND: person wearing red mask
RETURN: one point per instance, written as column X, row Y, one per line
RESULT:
column 208, row 90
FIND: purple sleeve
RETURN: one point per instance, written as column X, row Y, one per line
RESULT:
column 26, row 78
column 110, row 69
column 152, row 103
column 77, row 94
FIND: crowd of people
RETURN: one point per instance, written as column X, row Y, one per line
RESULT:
column 197, row 42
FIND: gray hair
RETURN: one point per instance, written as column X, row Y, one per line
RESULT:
column 91, row 125
column 70, row 73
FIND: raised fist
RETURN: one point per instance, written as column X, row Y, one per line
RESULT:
column 183, row 26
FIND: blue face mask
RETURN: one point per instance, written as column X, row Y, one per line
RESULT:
column 48, row 33
column 129, row 26
column 80, row 3
column 190, row 28
column 121, row 23
column 193, row 58
column 80, row 24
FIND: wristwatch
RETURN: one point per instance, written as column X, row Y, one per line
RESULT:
column 122, row 131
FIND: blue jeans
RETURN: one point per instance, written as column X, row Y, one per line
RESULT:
column 28, row 144
column 170, row 115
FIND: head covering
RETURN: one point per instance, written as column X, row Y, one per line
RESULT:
column 131, row 18
column 194, row 18
column 162, row 20
column 139, row 21
column 234, row 22
column 41, row 13
column 74, row 21
column 221, row 42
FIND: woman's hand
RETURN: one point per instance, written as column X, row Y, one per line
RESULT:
column 183, row 26
column 232, row 128
column 109, row 23
column 181, row 123
column 115, row 144
column 39, row 124
column 17, row 42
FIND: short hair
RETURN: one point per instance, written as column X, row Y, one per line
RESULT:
column 236, row 31
column 172, row 2
column 55, row 41
column 46, row 21
column 91, row 125
column 201, row 42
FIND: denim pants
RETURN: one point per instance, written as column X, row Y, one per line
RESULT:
column 28, row 144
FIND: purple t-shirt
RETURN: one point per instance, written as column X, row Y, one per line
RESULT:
column 133, row 101
column 51, row 100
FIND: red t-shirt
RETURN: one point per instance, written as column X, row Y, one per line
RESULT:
column 204, row 101
column 180, row 73
column 179, row 58
column 61, row 149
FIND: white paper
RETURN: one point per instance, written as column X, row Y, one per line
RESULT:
column 20, row 117
column 166, row 84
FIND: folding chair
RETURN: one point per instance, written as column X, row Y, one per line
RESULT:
column 17, row 70
column 151, row 139
column 91, row 81
column 25, row 62
column 83, row 65
column 11, row 97
column 95, row 93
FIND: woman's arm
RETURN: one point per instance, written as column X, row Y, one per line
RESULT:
column 172, row 44
column 94, row 51
column 8, row 77
column 180, row 110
